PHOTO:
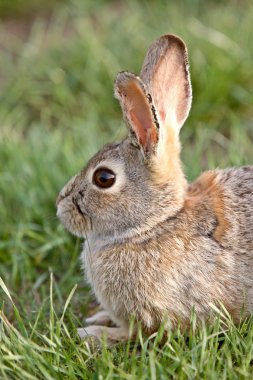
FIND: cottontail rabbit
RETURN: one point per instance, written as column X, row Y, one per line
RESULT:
column 155, row 246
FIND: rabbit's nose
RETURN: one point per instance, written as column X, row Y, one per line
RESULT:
column 67, row 190
column 58, row 199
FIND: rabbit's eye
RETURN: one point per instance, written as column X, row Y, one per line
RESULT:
column 104, row 177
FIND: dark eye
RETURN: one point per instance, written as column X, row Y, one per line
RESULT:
column 104, row 177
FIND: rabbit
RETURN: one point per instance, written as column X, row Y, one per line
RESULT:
column 155, row 245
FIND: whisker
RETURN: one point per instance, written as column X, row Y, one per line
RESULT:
column 50, row 217
column 89, row 255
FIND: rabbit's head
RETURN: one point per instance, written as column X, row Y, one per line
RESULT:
column 130, row 186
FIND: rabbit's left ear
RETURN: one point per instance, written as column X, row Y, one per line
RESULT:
column 138, row 111
column 165, row 73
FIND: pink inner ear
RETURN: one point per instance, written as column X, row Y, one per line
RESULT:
column 162, row 115
column 165, row 72
column 139, row 128
column 139, row 113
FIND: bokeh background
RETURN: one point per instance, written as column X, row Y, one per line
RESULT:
column 58, row 61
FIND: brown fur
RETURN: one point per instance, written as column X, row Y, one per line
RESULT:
column 205, row 187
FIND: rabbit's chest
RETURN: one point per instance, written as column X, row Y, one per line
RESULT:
column 121, row 278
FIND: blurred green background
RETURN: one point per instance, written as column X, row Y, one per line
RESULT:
column 58, row 61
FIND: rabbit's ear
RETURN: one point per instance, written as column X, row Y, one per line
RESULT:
column 138, row 110
column 165, row 73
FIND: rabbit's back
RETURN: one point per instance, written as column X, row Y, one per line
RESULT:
column 239, row 183
column 221, row 203
column 228, row 195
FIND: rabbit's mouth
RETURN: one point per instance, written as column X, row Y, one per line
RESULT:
column 78, row 208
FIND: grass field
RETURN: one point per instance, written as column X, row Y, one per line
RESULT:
column 56, row 110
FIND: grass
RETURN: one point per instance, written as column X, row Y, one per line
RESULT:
column 56, row 110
